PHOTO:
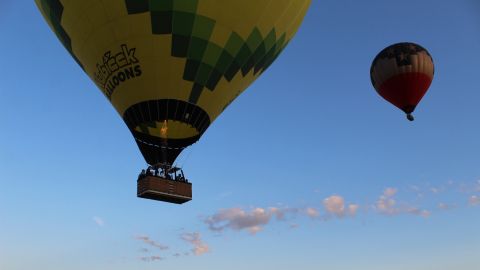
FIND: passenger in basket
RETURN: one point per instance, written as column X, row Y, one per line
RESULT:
column 142, row 174
column 149, row 171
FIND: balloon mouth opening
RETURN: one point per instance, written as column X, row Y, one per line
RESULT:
column 167, row 129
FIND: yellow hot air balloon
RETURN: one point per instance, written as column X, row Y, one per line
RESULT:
column 170, row 67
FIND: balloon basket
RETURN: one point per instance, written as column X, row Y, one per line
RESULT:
column 165, row 190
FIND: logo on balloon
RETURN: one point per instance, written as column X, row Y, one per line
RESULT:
column 116, row 68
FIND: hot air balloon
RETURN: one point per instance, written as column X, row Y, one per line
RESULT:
column 170, row 67
column 402, row 74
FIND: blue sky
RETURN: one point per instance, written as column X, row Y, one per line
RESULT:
column 308, row 169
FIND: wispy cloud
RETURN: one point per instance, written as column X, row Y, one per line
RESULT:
column 99, row 221
column 312, row 212
column 475, row 187
column 199, row 247
column 474, row 200
column 294, row 226
column 390, row 202
column 254, row 220
column 147, row 240
column 239, row 219
column 418, row 212
column 445, row 206
column 387, row 205
column 353, row 209
column 469, row 188
column 390, row 192
column 151, row 258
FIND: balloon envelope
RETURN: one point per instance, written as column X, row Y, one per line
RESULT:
column 402, row 74
column 170, row 67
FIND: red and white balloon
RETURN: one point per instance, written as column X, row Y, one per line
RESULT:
column 402, row 74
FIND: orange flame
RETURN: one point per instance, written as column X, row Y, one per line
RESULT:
column 164, row 129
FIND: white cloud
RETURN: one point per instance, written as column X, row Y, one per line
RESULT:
column 148, row 241
column 336, row 205
column 199, row 247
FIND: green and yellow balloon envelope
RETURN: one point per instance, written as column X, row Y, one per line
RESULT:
column 170, row 67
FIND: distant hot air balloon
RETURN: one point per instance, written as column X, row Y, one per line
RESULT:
column 402, row 74
column 170, row 67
